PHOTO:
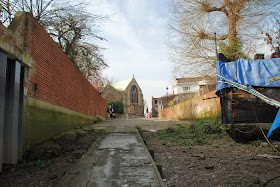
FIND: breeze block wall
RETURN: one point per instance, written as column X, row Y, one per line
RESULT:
column 59, row 97
column 202, row 107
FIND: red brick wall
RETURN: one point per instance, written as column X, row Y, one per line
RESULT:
column 58, row 80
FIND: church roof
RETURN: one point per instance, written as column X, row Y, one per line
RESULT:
column 121, row 85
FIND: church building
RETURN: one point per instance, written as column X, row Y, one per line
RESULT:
column 129, row 93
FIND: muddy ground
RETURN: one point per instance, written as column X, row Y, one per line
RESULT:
column 46, row 171
column 223, row 163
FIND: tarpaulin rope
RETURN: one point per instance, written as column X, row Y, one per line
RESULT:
column 250, row 90
column 254, row 92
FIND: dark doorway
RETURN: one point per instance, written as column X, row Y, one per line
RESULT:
column 11, row 109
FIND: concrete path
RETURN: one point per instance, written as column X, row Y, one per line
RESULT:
column 119, row 159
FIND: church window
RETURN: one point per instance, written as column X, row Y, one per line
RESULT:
column 134, row 94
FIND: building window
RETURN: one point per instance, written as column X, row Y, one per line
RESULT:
column 155, row 101
column 187, row 88
column 134, row 94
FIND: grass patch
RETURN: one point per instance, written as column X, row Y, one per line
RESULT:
column 232, row 144
column 199, row 133
column 138, row 128
column 23, row 168
column 16, row 172
column 42, row 163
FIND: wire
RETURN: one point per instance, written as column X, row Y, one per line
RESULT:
column 262, row 129
column 245, row 132
column 257, row 94
column 251, row 90
column 268, row 141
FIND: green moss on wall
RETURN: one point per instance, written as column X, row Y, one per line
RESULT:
column 43, row 120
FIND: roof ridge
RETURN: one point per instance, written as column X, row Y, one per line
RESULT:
column 121, row 85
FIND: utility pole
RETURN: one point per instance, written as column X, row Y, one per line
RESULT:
column 216, row 49
column 166, row 96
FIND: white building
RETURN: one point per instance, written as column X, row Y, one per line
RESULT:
column 187, row 85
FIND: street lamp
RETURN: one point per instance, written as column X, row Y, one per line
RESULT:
column 167, row 96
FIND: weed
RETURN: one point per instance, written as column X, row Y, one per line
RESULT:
column 199, row 133
column 170, row 145
column 42, row 164
column 28, row 164
column 259, row 142
column 98, row 119
column 186, row 142
column 65, row 154
column 231, row 144
column 138, row 128
column 182, row 126
column 16, row 172
column 170, row 130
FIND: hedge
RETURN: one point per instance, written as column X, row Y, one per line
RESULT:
column 117, row 106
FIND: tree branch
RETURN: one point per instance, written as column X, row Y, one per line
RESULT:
column 203, row 36
column 206, row 7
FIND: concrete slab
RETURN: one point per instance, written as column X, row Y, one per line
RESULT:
column 118, row 140
column 119, row 159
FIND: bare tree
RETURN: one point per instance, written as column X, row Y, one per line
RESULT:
column 38, row 8
column 69, row 28
column 197, row 23
column 91, row 63
column 272, row 32
column 76, row 33
column 72, row 26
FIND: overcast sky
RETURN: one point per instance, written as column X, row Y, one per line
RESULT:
column 136, row 35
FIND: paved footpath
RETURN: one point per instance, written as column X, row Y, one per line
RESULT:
column 118, row 159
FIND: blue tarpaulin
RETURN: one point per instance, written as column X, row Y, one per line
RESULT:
column 250, row 72
column 254, row 73
column 275, row 124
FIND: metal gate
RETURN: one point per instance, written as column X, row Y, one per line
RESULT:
column 11, row 109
